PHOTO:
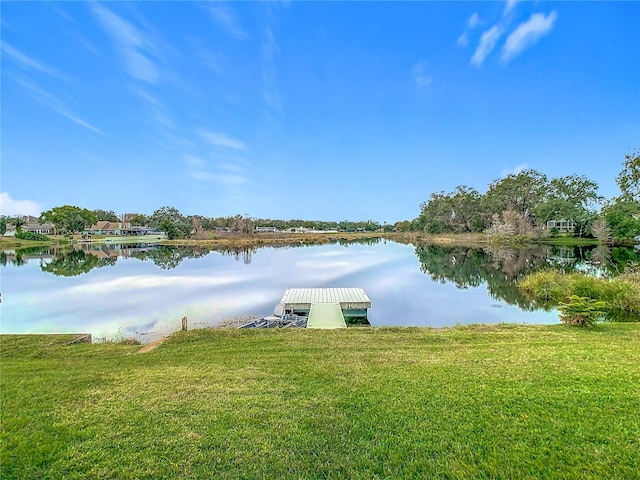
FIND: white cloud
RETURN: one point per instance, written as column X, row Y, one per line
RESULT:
column 222, row 140
column 487, row 44
column 29, row 63
column 130, row 41
column 510, row 4
column 474, row 20
column 79, row 121
column 55, row 104
column 515, row 170
column 527, row 34
column 420, row 75
column 11, row 207
column 463, row 40
column 226, row 20
column 229, row 179
column 271, row 93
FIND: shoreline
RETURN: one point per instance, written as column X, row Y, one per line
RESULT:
column 283, row 239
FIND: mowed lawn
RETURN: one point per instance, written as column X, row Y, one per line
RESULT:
column 468, row 402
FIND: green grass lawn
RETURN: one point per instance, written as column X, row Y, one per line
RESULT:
column 467, row 402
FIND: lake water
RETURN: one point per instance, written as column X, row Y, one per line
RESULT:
column 144, row 291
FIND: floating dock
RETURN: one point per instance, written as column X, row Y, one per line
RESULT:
column 325, row 306
column 317, row 308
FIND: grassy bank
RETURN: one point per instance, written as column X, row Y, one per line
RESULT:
column 474, row 402
column 278, row 239
column 12, row 243
column 234, row 241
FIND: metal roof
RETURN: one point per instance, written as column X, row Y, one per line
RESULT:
column 303, row 298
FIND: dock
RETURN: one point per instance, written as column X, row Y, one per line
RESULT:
column 326, row 307
column 317, row 308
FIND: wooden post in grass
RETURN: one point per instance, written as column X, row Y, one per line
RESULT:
column 184, row 324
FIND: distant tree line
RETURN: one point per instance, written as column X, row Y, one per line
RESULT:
column 71, row 219
column 518, row 204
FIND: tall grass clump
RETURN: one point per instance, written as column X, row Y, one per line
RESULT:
column 620, row 296
column 546, row 285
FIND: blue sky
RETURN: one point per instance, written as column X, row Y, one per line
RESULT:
column 314, row 110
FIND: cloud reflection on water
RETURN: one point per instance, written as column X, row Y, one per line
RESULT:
column 134, row 297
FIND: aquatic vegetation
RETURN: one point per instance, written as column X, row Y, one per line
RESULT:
column 620, row 296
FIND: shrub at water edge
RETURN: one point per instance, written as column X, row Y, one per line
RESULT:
column 581, row 311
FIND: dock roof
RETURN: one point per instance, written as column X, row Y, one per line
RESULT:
column 303, row 298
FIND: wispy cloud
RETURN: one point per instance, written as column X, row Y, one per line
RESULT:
column 474, row 20
column 218, row 139
column 527, row 34
column 515, row 170
column 463, row 40
column 134, row 46
column 54, row 103
column 510, row 4
column 226, row 20
column 157, row 110
column 524, row 36
column 221, row 177
column 271, row 93
column 229, row 179
column 420, row 75
column 11, row 207
column 226, row 175
column 487, row 43
column 28, row 63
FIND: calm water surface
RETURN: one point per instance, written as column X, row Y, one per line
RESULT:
column 145, row 291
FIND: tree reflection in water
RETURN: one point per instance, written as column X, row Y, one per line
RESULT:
column 75, row 262
column 501, row 267
column 169, row 257
column 498, row 268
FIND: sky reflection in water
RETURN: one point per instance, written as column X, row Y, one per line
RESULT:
column 134, row 297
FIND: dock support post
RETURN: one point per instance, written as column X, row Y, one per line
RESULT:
column 184, row 324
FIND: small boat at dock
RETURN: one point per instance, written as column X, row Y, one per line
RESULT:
column 273, row 321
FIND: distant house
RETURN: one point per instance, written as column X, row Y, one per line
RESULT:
column 301, row 230
column 266, row 229
column 104, row 227
column 142, row 231
column 562, row 226
column 32, row 224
